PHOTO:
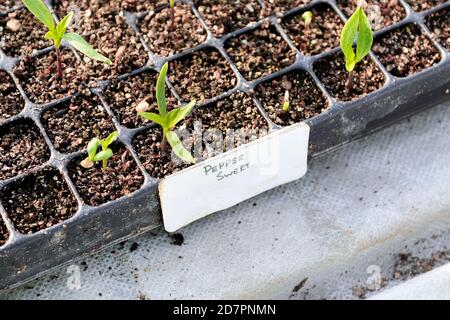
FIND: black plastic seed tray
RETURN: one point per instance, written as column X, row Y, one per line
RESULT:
column 93, row 228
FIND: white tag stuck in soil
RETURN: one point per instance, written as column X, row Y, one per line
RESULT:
column 235, row 176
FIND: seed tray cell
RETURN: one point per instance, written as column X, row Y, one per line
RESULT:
column 43, row 234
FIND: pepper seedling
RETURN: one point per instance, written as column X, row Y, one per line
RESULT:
column 94, row 155
column 286, row 103
column 58, row 32
column 168, row 120
column 172, row 14
column 357, row 27
column 307, row 18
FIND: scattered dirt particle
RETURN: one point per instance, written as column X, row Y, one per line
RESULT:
column 134, row 247
column 177, row 239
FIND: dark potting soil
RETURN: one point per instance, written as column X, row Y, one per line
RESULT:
column 73, row 124
column 38, row 76
column 439, row 24
column 124, row 97
column 322, row 34
column 223, row 125
column 4, row 234
column 97, row 187
column 260, row 52
column 22, row 148
column 156, row 28
column 225, row 16
column 406, row 51
column 88, row 8
column 306, row 99
column 38, row 201
column 332, row 73
column 381, row 13
column 420, row 5
column 11, row 101
column 9, row 4
column 21, row 34
column 202, row 75
column 281, row 6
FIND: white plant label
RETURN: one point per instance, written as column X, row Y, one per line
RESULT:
column 235, row 176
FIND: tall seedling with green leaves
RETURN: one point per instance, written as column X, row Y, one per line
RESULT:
column 357, row 27
column 168, row 120
column 58, row 32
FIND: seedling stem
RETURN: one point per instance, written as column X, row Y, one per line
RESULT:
column 172, row 14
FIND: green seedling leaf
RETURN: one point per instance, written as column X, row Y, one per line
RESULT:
column 176, row 115
column 178, row 147
column 111, row 138
column 92, row 148
column 307, row 17
column 286, row 103
column 84, row 47
column 62, row 26
column 172, row 3
column 161, row 90
column 154, row 117
column 357, row 25
column 103, row 155
column 41, row 12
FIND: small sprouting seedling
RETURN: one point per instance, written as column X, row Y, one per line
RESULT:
column 57, row 33
column 307, row 18
column 172, row 14
column 357, row 26
column 286, row 103
column 168, row 120
column 94, row 155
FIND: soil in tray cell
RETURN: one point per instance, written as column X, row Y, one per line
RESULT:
column 11, row 102
column 5, row 5
column 162, row 40
column 210, row 130
column 321, row 35
column 281, row 6
column 132, row 95
column 421, row 5
column 4, row 234
column 103, row 25
column 201, row 75
column 333, row 74
column 39, row 80
column 439, row 24
column 305, row 98
column 38, row 201
column 88, row 8
column 225, row 16
column 406, row 51
column 381, row 13
column 72, row 125
column 22, row 148
column 260, row 52
column 97, row 186
column 21, row 34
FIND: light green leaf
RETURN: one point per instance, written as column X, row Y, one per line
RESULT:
column 62, row 26
column 179, row 114
column 156, row 118
column 161, row 90
column 172, row 3
column 92, row 148
column 50, row 35
column 41, row 12
column 111, row 138
column 84, row 47
column 365, row 37
column 286, row 103
column 178, row 147
column 103, row 155
column 357, row 25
